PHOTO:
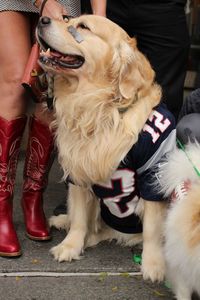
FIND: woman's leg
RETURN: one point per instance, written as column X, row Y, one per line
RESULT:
column 14, row 52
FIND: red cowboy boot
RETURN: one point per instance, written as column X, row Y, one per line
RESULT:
column 10, row 138
column 39, row 158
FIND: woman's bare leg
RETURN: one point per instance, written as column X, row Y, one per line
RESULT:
column 14, row 52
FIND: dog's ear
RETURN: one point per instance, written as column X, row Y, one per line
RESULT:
column 135, row 71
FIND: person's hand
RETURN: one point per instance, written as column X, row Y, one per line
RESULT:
column 53, row 9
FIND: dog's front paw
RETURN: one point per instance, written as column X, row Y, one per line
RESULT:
column 153, row 266
column 65, row 252
column 59, row 222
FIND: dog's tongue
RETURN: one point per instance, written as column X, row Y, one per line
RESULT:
column 56, row 54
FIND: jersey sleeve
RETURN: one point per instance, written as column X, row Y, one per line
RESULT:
column 157, row 138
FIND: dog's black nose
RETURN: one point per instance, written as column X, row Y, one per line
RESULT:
column 44, row 21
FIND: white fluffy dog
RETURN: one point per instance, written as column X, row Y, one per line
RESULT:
column 182, row 231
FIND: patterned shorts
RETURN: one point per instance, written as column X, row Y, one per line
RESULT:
column 73, row 6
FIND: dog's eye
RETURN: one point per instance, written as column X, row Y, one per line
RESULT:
column 83, row 26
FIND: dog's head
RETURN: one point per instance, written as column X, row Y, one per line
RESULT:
column 95, row 49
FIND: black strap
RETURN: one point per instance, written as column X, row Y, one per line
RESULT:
column 42, row 6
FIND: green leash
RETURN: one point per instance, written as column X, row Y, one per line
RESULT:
column 182, row 147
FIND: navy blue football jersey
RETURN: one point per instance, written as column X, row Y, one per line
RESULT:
column 134, row 176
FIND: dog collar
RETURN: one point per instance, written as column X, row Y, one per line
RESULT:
column 122, row 110
column 50, row 91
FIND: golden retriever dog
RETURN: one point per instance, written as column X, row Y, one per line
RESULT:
column 182, row 230
column 110, row 133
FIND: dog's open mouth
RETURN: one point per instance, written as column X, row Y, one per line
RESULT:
column 55, row 59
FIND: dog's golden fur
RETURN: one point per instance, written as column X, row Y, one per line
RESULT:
column 100, row 110
column 182, row 228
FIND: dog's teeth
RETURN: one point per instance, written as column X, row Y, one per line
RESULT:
column 48, row 52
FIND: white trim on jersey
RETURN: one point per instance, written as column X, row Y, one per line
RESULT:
column 166, row 146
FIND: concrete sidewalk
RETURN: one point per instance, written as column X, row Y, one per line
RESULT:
column 105, row 272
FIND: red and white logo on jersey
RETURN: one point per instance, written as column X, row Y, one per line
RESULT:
column 180, row 191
